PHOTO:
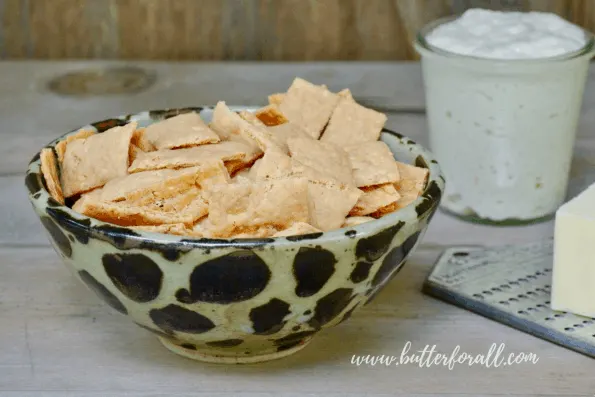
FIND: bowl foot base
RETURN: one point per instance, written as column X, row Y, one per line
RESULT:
column 232, row 359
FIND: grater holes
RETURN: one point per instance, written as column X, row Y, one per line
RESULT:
column 577, row 325
column 522, row 280
column 539, row 274
column 513, row 300
column 522, row 312
column 486, row 292
column 558, row 315
column 531, row 277
column 549, row 319
column 541, row 305
column 478, row 296
column 503, row 303
column 531, row 309
column 530, row 293
column 496, row 289
column 505, row 286
column 569, row 329
column 587, row 322
column 513, row 283
column 521, row 296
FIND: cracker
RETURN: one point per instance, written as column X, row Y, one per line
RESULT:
column 412, row 179
column 372, row 163
column 330, row 203
column 179, row 229
column 283, row 132
column 133, row 152
column 246, row 208
column 138, row 139
column 274, row 164
column 91, row 162
column 231, row 126
column 270, row 116
column 309, row 106
column 352, row 123
column 345, row 93
column 297, row 229
column 190, row 157
column 162, row 184
column 61, row 146
column 276, row 99
column 323, row 157
column 356, row 220
column 184, row 130
column 49, row 169
column 375, row 198
column 251, row 118
column 124, row 214
column 380, row 212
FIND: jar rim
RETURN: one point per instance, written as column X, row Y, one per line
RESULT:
column 422, row 46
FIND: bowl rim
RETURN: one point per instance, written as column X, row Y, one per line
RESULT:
column 71, row 220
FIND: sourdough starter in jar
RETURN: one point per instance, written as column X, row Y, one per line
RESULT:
column 503, row 94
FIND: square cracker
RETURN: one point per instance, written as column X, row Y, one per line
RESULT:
column 356, row 220
column 283, row 132
column 274, row 164
column 297, row 229
column 412, row 181
column 352, row 123
column 61, row 146
column 308, row 105
column 162, row 184
column 270, row 115
column 189, row 157
column 375, row 198
column 251, row 118
column 323, row 157
column 139, row 141
column 128, row 214
column 91, row 162
column 330, row 201
column 49, row 169
column 373, row 163
column 231, row 126
column 246, row 208
column 184, row 130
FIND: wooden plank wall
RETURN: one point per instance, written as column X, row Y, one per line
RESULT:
column 271, row 30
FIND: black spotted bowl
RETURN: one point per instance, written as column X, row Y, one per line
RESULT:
column 243, row 300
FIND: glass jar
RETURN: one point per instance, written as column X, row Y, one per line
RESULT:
column 503, row 130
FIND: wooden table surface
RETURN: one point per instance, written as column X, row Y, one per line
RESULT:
column 57, row 339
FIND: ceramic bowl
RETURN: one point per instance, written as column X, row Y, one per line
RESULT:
column 236, row 300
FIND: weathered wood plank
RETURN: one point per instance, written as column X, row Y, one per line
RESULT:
column 289, row 30
column 56, row 336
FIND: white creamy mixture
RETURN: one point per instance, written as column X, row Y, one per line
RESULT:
column 508, row 35
column 503, row 132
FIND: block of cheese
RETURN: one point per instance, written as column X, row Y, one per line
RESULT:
column 573, row 277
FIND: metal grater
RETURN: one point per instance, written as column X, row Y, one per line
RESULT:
column 511, row 285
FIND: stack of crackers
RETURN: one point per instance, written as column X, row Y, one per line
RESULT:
column 310, row 161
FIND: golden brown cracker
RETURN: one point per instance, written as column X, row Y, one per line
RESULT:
column 61, row 146
column 91, row 162
column 372, row 163
column 270, row 116
column 308, row 105
column 352, row 124
column 246, row 208
column 274, row 164
column 190, row 157
column 183, row 130
column 412, row 179
column 49, row 170
column 375, row 198
column 323, row 157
